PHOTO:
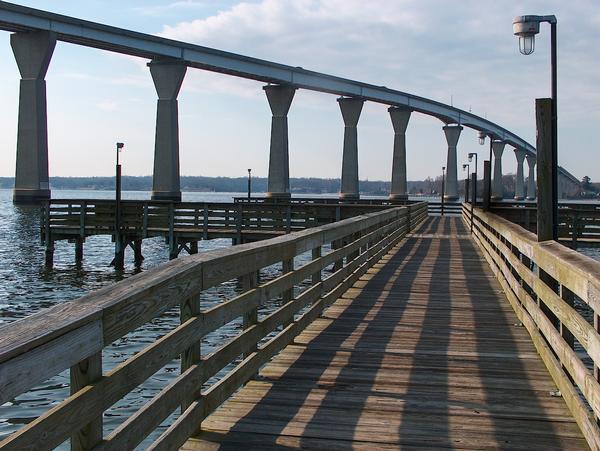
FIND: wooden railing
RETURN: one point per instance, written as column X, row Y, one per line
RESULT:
column 74, row 334
column 542, row 282
column 182, row 224
column 578, row 224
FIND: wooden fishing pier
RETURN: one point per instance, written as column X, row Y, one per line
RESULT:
column 399, row 330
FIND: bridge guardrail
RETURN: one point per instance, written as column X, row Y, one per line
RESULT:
column 542, row 282
column 73, row 335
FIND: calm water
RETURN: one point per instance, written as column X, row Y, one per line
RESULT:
column 26, row 287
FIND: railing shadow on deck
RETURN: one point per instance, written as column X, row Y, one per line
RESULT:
column 73, row 335
column 426, row 399
column 543, row 281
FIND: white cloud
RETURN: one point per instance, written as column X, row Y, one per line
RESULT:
column 158, row 10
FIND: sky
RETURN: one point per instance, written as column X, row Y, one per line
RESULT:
column 462, row 53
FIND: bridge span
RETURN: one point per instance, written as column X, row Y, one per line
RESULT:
column 36, row 32
column 389, row 329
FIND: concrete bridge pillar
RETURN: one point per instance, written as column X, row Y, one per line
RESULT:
column 351, row 109
column 280, row 98
column 531, row 180
column 452, row 133
column 400, row 117
column 33, row 51
column 520, row 182
column 168, row 77
column 497, row 189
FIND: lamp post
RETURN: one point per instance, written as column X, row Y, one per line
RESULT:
column 526, row 27
column 443, row 183
column 249, row 183
column 118, row 261
column 474, row 187
column 467, row 168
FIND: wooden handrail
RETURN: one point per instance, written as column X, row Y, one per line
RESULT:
column 541, row 280
column 64, row 336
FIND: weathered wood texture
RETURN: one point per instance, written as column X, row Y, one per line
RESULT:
column 73, row 334
column 578, row 224
column 423, row 351
column 541, row 281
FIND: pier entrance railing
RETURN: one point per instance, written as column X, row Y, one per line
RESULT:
column 555, row 292
column 73, row 335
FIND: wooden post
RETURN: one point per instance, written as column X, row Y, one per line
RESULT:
column 316, row 277
column 145, row 221
column 286, row 267
column 569, row 297
column 473, row 197
column 338, row 264
column 78, row 250
column 49, row 252
column 250, row 318
column 205, row 224
column 545, row 225
column 487, row 172
column 191, row 356
column 84, row 373
column 574, row 229
column 138, row 258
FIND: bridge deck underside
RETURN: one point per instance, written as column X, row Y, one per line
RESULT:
column 424, row 351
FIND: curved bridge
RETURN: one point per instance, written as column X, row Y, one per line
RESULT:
column 170, row 60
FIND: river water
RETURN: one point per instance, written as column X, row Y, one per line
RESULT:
column 26, row 287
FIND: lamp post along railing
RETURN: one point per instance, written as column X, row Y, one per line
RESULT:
column 526, row 27
column 118, row 260
column 474, row 183
column 443, row 184
column 249, row 183
column 466, row 167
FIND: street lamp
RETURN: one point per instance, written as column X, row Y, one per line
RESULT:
column 481, row 135
column 466, row 167
column 443, row 183
column 118, row 260
column 249, row 183
column 471, row 155
column 526, row 27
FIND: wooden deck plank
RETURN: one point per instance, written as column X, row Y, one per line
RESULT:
column 424, row 351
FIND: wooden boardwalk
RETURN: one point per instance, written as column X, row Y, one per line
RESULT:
column 424, row 351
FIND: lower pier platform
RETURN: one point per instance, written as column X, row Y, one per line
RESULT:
column 423, row 352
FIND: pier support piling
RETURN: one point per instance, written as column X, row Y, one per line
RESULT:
column 168, row 76
column 400, row 118
column 520, row 182
column 452, row 133
column 280, row 99
column 33, row 52
column 351, row 109
column 531, row 188
column 497, row 188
